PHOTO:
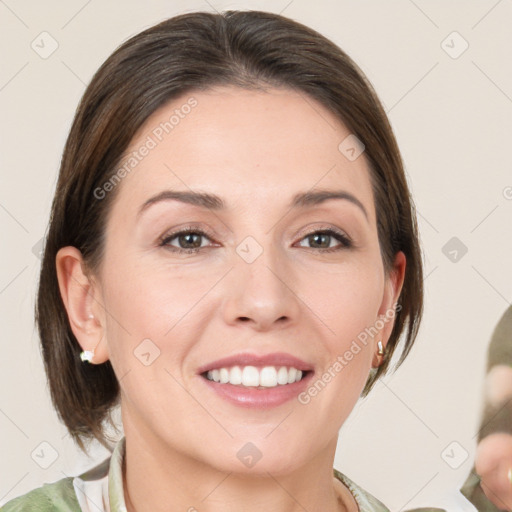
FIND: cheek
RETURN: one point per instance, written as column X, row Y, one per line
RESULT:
column 346, row 301
column 153, row 296
column 151, row 302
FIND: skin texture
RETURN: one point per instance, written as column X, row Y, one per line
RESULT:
column 256, row 150
column 493, row 458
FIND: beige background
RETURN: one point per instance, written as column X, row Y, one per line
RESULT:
column 453, row 121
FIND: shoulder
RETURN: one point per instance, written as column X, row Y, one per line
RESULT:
column 57, row 496
column 62, row 495
column 367, row 502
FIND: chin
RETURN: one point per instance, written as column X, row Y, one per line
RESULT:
column 257, row 457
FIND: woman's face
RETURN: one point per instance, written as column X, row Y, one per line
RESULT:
column 271, row 271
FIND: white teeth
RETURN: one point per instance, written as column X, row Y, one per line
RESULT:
column 224, row 375
column 235, row 375
column 250, row 376
column 283, row 375
column 269, row 377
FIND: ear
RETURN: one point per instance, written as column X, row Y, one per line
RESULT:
column 83, row 303
column 387, row 310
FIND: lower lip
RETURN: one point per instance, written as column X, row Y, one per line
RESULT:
column 259, row 398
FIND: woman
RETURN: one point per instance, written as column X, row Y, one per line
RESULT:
column 233, row 259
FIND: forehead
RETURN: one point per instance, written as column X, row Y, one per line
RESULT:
column 242, row 145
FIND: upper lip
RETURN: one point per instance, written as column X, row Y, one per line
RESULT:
column 245, row 359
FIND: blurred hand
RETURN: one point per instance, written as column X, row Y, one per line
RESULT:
column 493, row 462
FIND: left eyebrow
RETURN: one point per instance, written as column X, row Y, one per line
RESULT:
column 306, row 199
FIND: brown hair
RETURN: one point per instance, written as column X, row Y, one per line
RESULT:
column 196, row 51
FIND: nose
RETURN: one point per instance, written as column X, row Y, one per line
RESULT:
column 261, row 294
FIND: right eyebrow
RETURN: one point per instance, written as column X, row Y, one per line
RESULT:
column 202, row 199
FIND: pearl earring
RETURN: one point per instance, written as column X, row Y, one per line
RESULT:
column 87, row 355
column 380, row 351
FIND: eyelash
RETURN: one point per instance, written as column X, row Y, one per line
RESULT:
column 346, row 243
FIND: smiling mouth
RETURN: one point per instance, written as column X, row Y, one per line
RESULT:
column 256, row 377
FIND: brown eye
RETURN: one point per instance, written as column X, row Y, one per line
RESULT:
column 320, row 240
column 187, row 240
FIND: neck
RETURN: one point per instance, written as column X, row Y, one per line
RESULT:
column 162, row 479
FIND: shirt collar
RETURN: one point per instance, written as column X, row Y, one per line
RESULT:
column 115, row 478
